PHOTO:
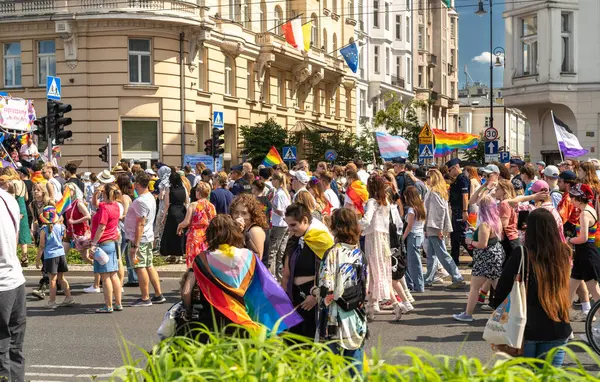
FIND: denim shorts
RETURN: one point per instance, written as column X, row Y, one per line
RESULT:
column 110, row 247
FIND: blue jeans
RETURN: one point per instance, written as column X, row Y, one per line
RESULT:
column 356, row 355
column 539, row 349
column 131, row 275
column 414, row 274
column 437, row 249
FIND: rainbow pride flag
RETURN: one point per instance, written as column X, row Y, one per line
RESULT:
column 357, row 192
column 446, row 142
column 23, row 139
column 273, row 158
column 65, row 202
column 37, row 177
column 240, row 287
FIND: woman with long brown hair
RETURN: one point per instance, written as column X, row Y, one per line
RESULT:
column 248, row 213
column 316, row 189
column 547, row 264
column 376, row 229
column 413, row 237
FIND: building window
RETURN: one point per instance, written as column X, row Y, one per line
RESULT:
column 281, row 88
column 316, row 99
column 12, row 64
column 452, row 54
column 348, row 104
column 314, row 30
column 387, row 61
column 444, row 84
column 408, row 70
column 420, row 43
column 350, row 11
column 334, row 41
column 375, row 106
column 139, row 135
column 247, row 14
column 420, row 77
column 229, row 76
column 277, row 20
column 453, row 27
column 263, row 16
column 567, row 44
column 361, row 65
column 529, row 45
column 202, row 69
column 408, row 5
column 235, row 8
column 337, row 93
column 324, row 47
column 361, row 23
column 398, row 27
column 398, row 67
column 487, row 122
column 362, row 105
column 250, row 80
column 452, row 89
column 376, row 58
column 139, row 61
column 327, row 103
column 46, row 60
column 387, row 16
column 376, row 13
column 407, row 30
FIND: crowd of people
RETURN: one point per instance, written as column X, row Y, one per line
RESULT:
column 342, row 243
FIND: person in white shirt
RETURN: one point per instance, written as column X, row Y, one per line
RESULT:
column 278, row 234
column 334, row 200
column 362, row 174
column 299, row 181
column 53, row 185
column 12, row 294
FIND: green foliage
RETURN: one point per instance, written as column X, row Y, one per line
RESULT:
column 401, row 119
column 366, row 145
column 73, row 257
column 263, row 357
column 259, row 138
column 316, row 144
column 478, row 154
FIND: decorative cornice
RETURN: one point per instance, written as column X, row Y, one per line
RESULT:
column 232, row 48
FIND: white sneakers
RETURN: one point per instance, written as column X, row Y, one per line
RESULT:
column 91, row 289
column 401, row 308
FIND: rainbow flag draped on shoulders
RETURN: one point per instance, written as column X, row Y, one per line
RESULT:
column 63, row 204
column 446, row 142
column 273, row 158
column 237, row 284
column 357, row 192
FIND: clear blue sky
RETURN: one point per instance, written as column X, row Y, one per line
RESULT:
column 474, row 39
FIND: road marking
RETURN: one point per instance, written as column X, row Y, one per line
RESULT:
column 50, row 375
column 74, row 367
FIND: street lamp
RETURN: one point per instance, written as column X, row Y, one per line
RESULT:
column 499, row 52
column 480, row 12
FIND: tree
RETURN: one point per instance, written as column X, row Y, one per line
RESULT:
column 477, row 155
column 317, row 143
column 366, row 145
column 401, row 119
column 259, row 138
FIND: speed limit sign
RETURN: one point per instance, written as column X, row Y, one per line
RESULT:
column 490, row 134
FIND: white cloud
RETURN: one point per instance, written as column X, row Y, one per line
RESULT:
column 485, row 57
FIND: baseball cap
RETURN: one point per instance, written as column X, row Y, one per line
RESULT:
column 150, row 171
column 568, row 176
column 491, row 168
column 399, row 160
column 541, row 163
column 539, row 185
column 517, row 162
column 551, row 171
column 301, row 176
column 454, row 162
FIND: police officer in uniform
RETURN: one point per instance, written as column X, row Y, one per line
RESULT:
column 460, row 189
column 240, row 185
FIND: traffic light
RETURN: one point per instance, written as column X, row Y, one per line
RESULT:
column 208, row 146
column 103, row 153
column 58, row 121
column 40, row 128
column 218, row 142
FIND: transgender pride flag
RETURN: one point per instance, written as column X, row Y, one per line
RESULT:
column 391, row 146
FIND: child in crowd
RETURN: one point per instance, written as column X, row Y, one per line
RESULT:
column 40, row 200
column 55, row 261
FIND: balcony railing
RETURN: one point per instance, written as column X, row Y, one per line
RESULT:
column 35, row 7
column 398, row 81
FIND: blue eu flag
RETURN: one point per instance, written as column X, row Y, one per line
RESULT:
column 350, row 54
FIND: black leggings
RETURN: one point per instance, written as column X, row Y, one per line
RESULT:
column 308, row 326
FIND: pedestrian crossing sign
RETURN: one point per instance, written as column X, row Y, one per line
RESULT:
column 289, row 153
column 218, row 120
column 425, row 151
column 53, row 88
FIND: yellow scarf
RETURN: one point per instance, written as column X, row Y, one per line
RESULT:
column 318, row 238
column 227, row 250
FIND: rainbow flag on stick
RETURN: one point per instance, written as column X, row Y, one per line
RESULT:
column 446, row 142
column 273, row 158
column 65, row 202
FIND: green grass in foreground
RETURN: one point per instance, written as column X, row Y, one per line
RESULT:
column 73, row 257
column 262, row 357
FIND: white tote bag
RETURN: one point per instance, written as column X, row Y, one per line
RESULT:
column 506, row 325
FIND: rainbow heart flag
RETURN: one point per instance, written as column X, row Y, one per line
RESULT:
column 273, row 158
column 446, row 142
column 65, row 202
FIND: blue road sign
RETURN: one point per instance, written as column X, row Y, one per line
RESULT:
column 218, row 121
column 208, row 160
column 289, row 153
column 330, row 155
column 53, row 89
column 504, row 157
column 426, row 151
column 491, row 147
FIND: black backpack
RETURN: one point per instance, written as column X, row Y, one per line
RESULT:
column 354, row 296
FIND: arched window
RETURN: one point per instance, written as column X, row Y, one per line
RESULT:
column 235, row 10
column 263, row 16
column 277, row 20
column 229, row 76
column 288, row 9
column 324, row 46
column 334, row 41
column 350, row 10
column 315, row 30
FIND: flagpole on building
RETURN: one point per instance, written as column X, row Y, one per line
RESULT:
column 285, row 22
column 559, row 150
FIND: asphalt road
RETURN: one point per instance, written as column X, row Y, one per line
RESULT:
column 74, row 344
